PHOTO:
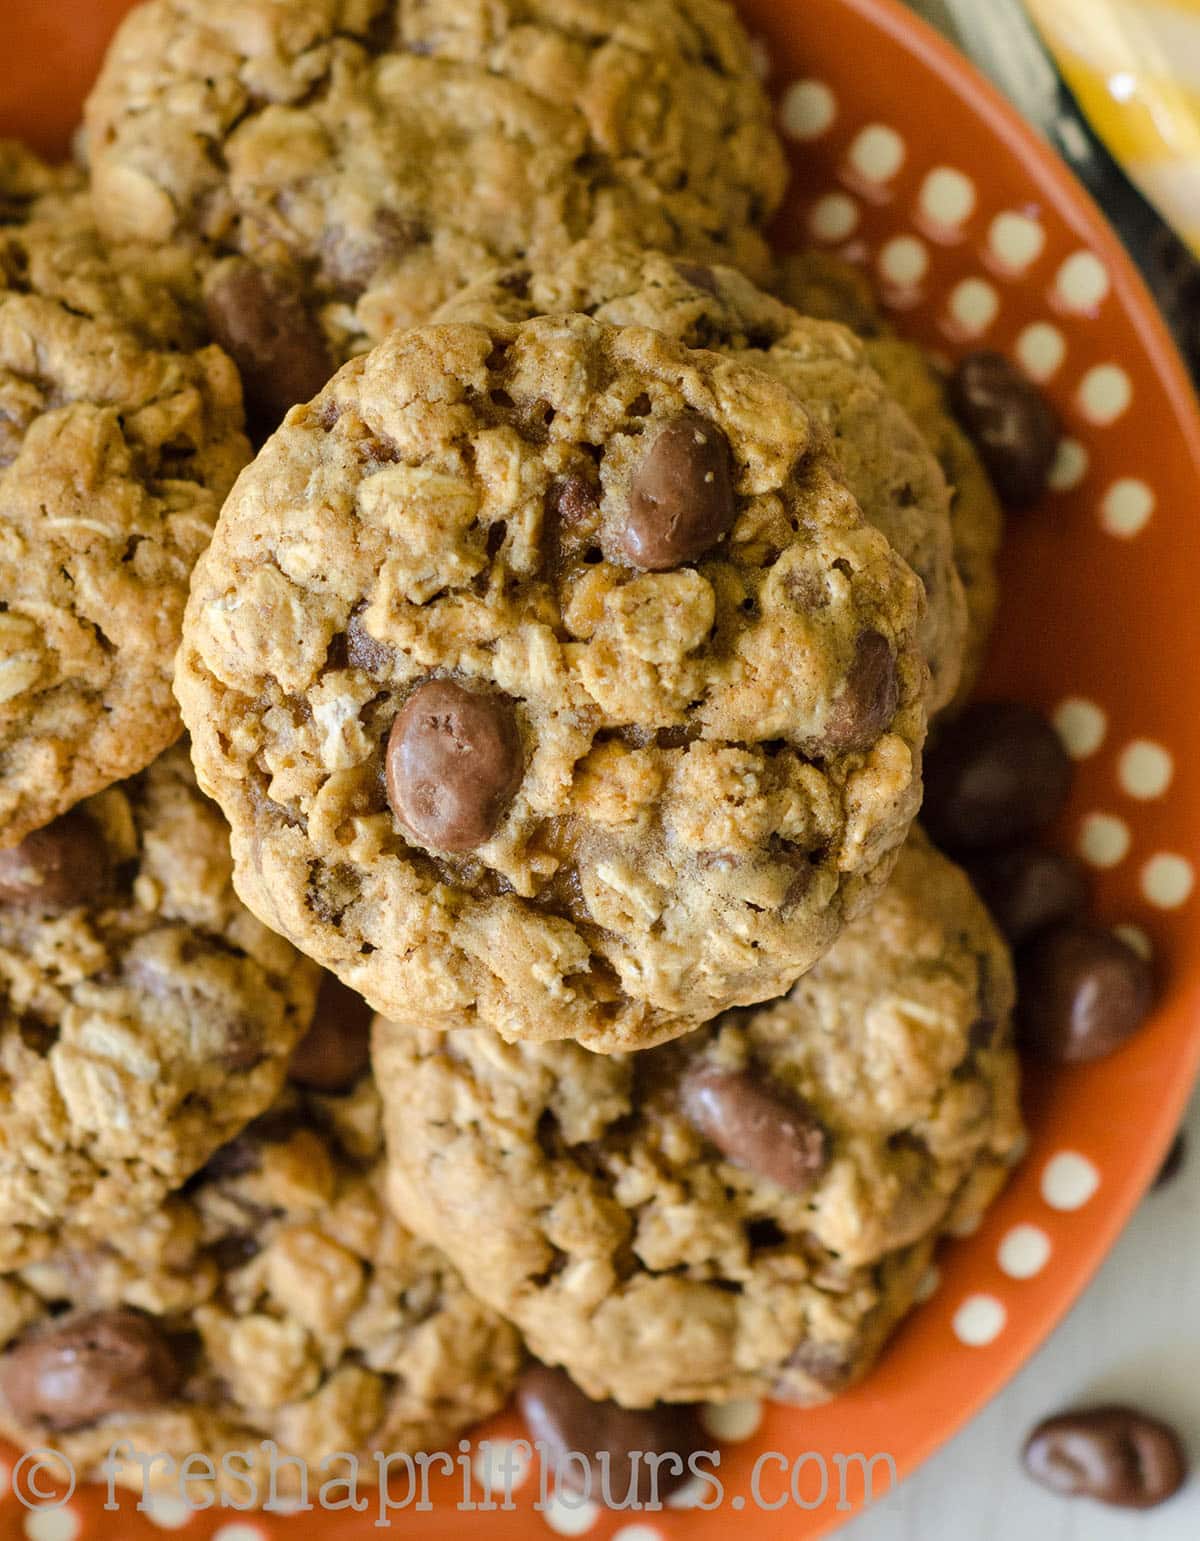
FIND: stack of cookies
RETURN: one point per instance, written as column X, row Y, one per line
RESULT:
column 560, row 668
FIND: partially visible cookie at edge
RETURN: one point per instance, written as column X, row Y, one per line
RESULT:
column 748, row 1210
column 273, row 1298
column 549, row 673
column 145, row 1015
column 818, row 284
column 887, row 463
column 353, row 162
column 120, row 433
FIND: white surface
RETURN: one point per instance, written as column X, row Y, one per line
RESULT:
column 1135, row 1336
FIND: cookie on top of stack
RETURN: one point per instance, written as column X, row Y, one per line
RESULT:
column 562, row 667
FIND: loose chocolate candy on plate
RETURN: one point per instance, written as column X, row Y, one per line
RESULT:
column 1028, row 888
column 1010, row 422
column 1114, row 1454
column 996, row 774
column 1175, row 1161
column 592, row 1444
column 1081, row 992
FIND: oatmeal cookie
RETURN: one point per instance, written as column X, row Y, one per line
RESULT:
column 28, row 184
column 549, row 675
column 271, row 1298
column 370, row 156
column 887, row 464
column 144, row 1015
column 824, row 286
column 120, row 434
column 744, row 1211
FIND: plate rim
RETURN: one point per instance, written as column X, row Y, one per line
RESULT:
column 959, row 74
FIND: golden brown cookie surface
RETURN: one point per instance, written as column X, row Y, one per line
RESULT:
column 273, row 1298
column 746, row 1210
column 549, row 673
column 887, row 464
column 145, row 1016
column 120, row 433
column 380, row 154
column 820, row 285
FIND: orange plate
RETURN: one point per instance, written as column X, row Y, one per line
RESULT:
column 909, row 162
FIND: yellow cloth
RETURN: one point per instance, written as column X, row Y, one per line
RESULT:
column 1134, row 66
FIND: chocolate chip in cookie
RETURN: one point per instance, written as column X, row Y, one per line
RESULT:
column 259, row 317
column 336, row 1049
column 681, row 496
column 868, row 699
column 453, row 764
column 57, row 867
column 756, row 1124
column 89, row 1368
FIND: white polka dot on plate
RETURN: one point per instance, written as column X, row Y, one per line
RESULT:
column 808, row 109
column 1126, row 507
column 1135, row 937
column 696, row 1490
column 833, row 217
column 1081, row 283
column 1024, row 1251
column 1069, row 1180
column 569, row 1514
column 167, row 1511
column 947, row 197
column 53, row 1525
column 1168, row 880
column 903, row 261
column 979, row 1320
column 1104, row 840
column 1070, row 466
column 732, row 1421
column 288, row 1503
column 1104, row 393
column 637, row 1533
column 500, row 1465
column 239, row 1533
column 1015, row 241
column 1145, row 769
column 877, row 153
column 1081, row 725
column 927, row 1287
column 1040, row 350
column 974, row 305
